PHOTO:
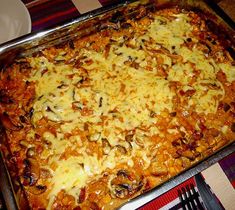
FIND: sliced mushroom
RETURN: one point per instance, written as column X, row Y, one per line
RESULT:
column 122, row 190
column 120, row 149
column 124, row 173
column 106, row 25
column 106, row 146
column 126, row 184
column 31, row 172
column 139, row 142
column 129, row 137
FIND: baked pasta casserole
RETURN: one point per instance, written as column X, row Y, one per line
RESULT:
column 100, row 119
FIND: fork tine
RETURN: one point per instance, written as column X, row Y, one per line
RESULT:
column 182, row 201
column 196, row 197
column 186, row 198
column 191, row 197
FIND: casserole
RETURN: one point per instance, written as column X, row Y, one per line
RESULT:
column 104, row 112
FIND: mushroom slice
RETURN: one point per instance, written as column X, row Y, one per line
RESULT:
column 106, row 146
column 120, row 150
column 125, row 184
column 31, row 172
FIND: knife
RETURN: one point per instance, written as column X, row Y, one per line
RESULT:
column 209, row 199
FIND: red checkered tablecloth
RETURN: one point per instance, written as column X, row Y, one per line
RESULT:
column 49, row 13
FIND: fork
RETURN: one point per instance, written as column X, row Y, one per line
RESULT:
column 189, row 198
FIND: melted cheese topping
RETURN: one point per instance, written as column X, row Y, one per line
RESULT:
column 114, row 96
column 170, row 33
column 228, row 70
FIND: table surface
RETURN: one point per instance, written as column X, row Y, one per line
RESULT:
column 49, row 13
